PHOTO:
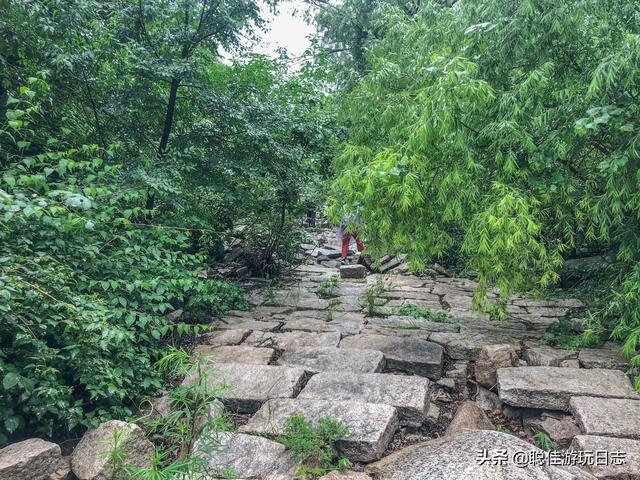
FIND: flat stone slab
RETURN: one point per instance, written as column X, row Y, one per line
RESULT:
column 349, row 327
column 610, row 417
column 252, row 385
column 610, row 356
column 32, row 459
column 225, row 337
column 322, row 359
column 240, row 323
column 471, row 455
column 628, row 469
column 371, row 426
column 237, row 354
column 289, row 340
column 410, row 323
column 249, row 456
column 552, row 387
column 545, row 356
column 406, row 354
column 409, row 394
column 467, row 346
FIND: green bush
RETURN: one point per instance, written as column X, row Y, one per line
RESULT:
column 85, row 282
column 314, row 448
column 411, row 310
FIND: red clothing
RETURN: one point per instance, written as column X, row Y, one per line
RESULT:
column 346, row 239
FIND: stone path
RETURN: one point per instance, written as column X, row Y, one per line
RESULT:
column 338, row 348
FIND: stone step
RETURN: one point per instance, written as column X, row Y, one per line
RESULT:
column 624, row 465
column 609, row 417
column 237, row 354
column 240, row 323
column 409, row 394
column 289, row 340
column 405, row 354
column 552, row 387
column 252, row 385
column 248, row 456
column 322, row 359
column 220, row 338
column 371, row 426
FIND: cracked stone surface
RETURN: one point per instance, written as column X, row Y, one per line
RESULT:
column 552, row 387
column 32, row 459
column 410, row 395
column 626, row 471
column 289, row 340
column 609, row 417
column 237, row 354
column 252, row 385
column 322, row 359
column 406, row 354
column 370, row 425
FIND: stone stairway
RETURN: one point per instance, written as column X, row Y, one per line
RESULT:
column 394, row 380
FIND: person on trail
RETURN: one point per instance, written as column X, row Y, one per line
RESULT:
column 345, row 236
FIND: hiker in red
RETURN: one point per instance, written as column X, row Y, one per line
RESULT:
column 345, row 236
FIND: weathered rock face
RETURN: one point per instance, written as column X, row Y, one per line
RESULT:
column 406, row 354
column 322, row 359
column 552, row 387
column 237, row 354
column 249, row 456
column 353, row 271
column 611, row 417
column 544, row 356
column 89, row 460
column 488, row 401
column 461, row 457
column 371, row 426
column 609, row 356
column 32, row 459
column 560, row 428
column 225, row 337
column 289, row 340
column 345, row 476
column 252, row 385
column 490, row 359
column 410, row 395
column 627, row 470
column 469, row 416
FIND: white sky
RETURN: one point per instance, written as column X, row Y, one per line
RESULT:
column 286, row 29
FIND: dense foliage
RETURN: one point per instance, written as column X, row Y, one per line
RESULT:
column 509, row 128
column 131, row 154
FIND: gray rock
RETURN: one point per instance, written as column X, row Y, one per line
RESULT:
column 610, row 356
column 63, row 471
column 406, row 354
column 353, row 271
column 248, row 456
column 237, row 354
column 447, row 383
column 327, row 252
column 545, row 356
column 349, row 327
column 611, row 470
column 490, row 359
column 89, row 460
column 434, row 413
column 322, row 359
column 609, row 417
column 288, row 340
column 410, row 323
column 560, row 428
column 225, row 337
column 345, row 476
column 252, row 385
column 371, row 426
column 241, row 323
column 570, row 363
column 467, row 346
column 410, row 395
column 460, row 457
column 32, row 459
column 488, row 401
column 469, row 416
column 552, row 387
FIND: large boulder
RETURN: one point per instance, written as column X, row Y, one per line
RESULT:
column 32, row 459
column 490, row 359
column 471, row 455
column 90, row 459
column 623, row 465
column 469, row 416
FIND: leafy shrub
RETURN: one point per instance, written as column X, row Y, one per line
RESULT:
column 329, row 287
column 85, row 282
column 544, row 442
column 411, row 310
column 313, row 447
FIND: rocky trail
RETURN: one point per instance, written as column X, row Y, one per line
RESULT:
column 422, row 398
